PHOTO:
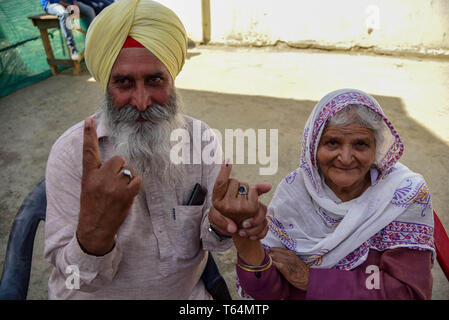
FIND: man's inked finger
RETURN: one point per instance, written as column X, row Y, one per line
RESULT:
column 91, row 152
column 221, row 183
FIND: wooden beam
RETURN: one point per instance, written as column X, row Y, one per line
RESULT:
column 205, row 13
column 61, row 62
column 48, row 50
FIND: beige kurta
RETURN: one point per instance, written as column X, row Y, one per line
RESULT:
column 161, row 248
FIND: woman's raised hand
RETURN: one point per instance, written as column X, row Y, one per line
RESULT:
column 238, row 202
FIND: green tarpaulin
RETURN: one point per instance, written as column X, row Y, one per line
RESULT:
column 22, row 55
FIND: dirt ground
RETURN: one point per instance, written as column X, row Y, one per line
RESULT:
column 259, row 88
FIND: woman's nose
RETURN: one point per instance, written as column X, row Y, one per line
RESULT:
column 345, row 155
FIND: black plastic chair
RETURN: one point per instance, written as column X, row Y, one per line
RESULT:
column 19, row 252
column 214, row 282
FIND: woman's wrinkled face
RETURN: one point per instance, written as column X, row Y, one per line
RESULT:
column 345, row 156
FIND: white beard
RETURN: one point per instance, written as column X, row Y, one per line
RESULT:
column 145, row 145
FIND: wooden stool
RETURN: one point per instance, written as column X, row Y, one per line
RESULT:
column 46, row 21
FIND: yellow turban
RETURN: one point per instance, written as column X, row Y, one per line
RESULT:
column 156, row 27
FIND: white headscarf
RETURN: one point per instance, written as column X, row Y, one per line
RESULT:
column 306, row 217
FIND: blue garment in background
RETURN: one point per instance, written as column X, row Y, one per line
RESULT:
column 98, row 5
column 45, row 2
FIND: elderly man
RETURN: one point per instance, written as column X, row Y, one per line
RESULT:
column 118, row 226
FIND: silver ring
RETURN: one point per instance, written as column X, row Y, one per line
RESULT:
column 243, row 190
column 127, row 172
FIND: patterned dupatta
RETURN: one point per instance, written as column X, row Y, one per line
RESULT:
column 306, row 217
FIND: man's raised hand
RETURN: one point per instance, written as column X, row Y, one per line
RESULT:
column 106, row 195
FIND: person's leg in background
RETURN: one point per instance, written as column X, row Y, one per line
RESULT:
column 59, row 11
column 87, row 11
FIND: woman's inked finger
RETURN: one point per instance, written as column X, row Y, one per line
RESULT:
column 221, row 182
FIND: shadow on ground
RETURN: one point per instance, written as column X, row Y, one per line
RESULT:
column 34, row 117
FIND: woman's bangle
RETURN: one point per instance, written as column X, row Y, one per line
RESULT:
column 256, row 268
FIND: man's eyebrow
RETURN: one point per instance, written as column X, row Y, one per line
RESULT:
column 154, row 75
column 121, row 76
column 129, row 76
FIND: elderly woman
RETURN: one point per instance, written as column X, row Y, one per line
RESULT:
column 350, row 223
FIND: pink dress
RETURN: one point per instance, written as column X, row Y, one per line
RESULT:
column 402, row 274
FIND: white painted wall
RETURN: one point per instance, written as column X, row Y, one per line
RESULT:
column 189, row 11
column 405, row 25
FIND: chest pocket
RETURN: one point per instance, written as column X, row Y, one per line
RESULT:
column 187, row 222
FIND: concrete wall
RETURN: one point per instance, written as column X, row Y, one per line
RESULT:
column 420, row 26
column 189, row 11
